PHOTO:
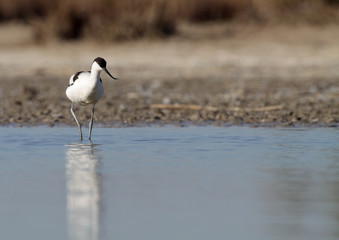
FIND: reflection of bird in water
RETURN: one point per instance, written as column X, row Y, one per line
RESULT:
column 83, row 192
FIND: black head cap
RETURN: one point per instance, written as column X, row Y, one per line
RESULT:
column 102, row 62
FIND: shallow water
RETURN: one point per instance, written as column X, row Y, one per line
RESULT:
column 170, row 183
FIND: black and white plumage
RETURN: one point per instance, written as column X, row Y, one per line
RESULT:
column 85, row 88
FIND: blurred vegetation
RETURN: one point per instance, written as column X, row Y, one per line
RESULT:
column 130, row 19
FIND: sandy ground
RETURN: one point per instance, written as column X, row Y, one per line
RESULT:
column 208, row 75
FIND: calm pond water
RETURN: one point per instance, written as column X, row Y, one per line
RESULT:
column 170, row 183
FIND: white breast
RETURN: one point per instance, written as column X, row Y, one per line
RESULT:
column 84, row 89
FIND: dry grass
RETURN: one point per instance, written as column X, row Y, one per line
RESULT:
column 130, row 19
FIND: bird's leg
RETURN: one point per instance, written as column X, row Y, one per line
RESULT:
column 91, row 124
column 76, row 120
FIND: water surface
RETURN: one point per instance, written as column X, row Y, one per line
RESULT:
column 170, row 183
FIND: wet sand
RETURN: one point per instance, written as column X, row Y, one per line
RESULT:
column 261, row 76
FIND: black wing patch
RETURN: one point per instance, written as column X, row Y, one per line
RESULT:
column 76, row 76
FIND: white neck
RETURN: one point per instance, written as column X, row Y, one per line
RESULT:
column 95, row 72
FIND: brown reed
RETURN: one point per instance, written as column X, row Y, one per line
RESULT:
column 130, row 19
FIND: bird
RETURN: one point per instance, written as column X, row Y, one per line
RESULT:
column 85, row 88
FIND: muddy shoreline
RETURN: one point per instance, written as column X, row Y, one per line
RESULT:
column 199, row 102
column 268, row 77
